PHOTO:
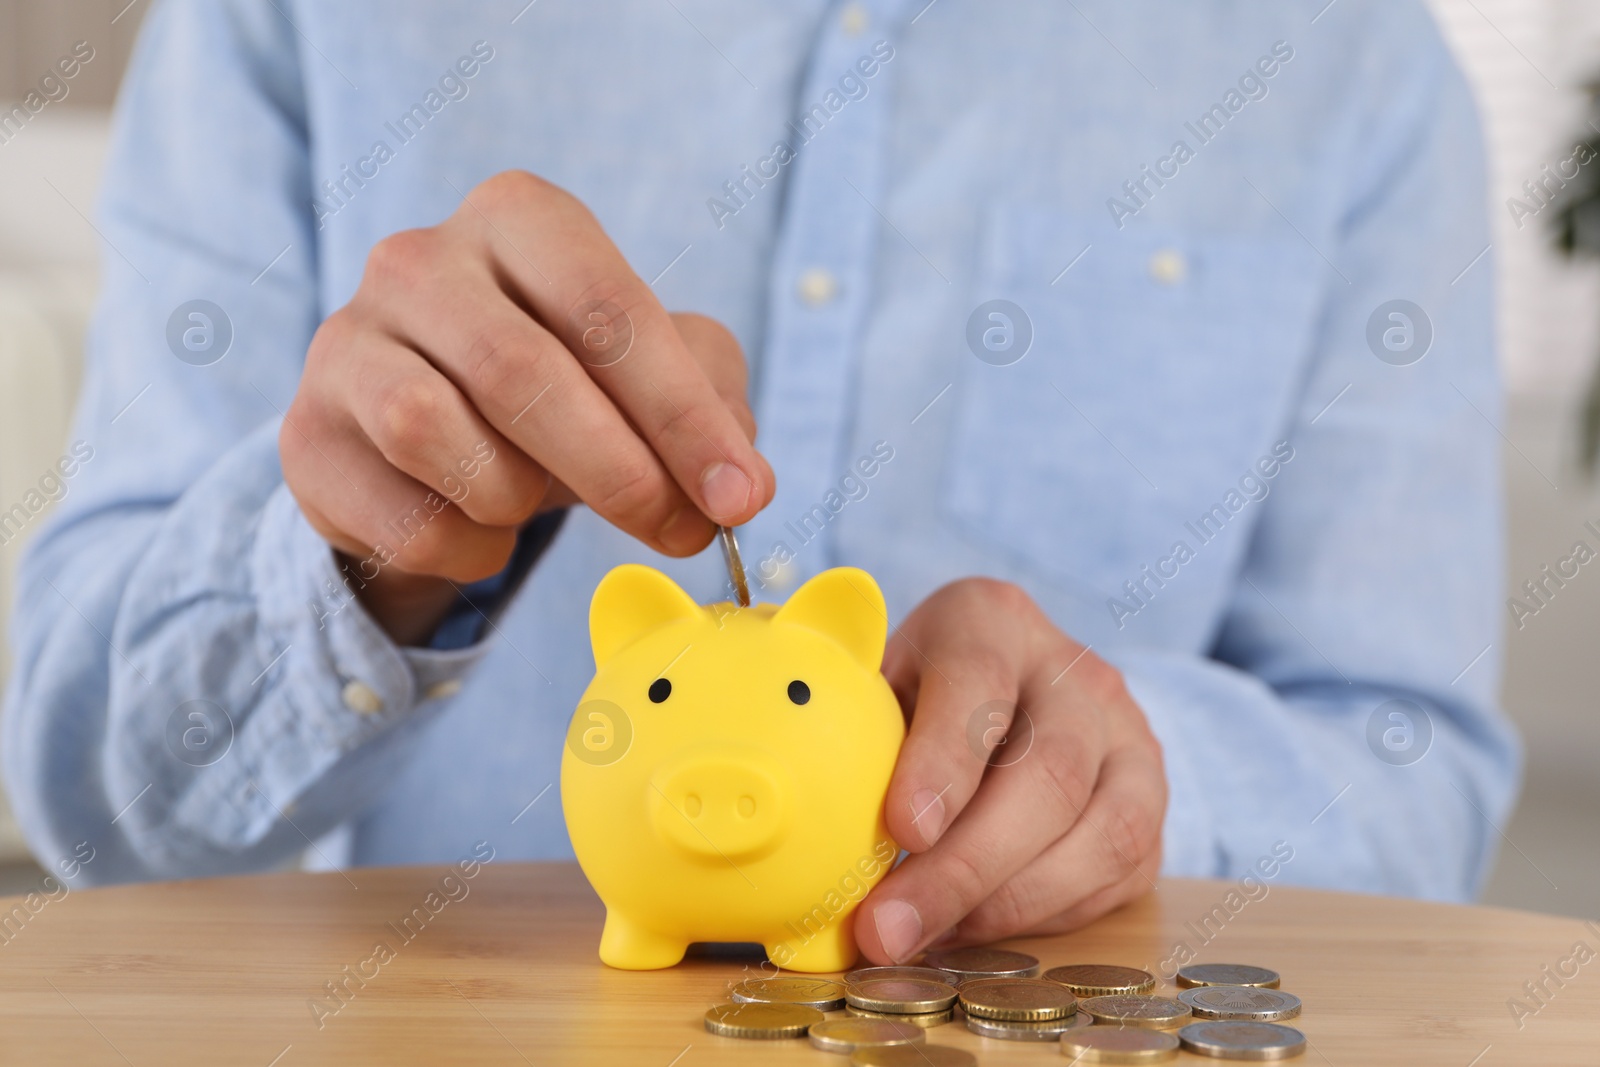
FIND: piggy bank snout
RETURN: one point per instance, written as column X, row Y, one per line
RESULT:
column 721, row 806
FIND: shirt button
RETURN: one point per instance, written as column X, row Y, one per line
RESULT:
column 361, row 697
column 854, row 20
column 440, row 690
column 1168, row 266
column 818, row 286
column 783, row 576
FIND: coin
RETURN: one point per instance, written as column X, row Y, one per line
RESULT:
column 1242, row 1041
column 928, row 974
column 761, row 1020
column 847, row 1035
column 1101, row 979
column 730, row 552
column 983, row 963
column 900, row 995
column 1135, row 1009
column 912, row 1056
column 927, row 1020
column 1050, row 1030
column 1198, row 974
column 1103, row 1044
column 819, row 993
column 1017, row 999
column 1240, row 1002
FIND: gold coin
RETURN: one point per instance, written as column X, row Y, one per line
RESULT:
column 1102, row 1044
column 983, row 963
column 820, row 993
column 1198, row 974
column 1017, row 999
column 900, row 995
column 1138, row 1010
column 1240, row 1002
column 1015, row 1031
column 927, row 974
column 1243, row 1040
column 912, row 1056
column 847, row 1035
column 927, row 1020
column 1101, row 979
column 761, row 1021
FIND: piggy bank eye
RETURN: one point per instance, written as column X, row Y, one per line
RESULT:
column 799, row 692
column 660, row 690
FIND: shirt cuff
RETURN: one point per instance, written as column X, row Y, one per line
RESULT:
column 367, row 682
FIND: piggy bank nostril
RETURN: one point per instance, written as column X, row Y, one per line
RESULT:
column 691, row 805
column 747, row 806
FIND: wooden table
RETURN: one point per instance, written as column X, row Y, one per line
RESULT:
column 232, row 971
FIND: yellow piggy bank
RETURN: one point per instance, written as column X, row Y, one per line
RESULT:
column 725, row 773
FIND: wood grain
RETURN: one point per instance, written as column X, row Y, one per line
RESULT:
column 228, row 971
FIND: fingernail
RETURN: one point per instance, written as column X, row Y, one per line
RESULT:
column 899, row 928
column 726, row 490
column 682, row 531
column 927, row 812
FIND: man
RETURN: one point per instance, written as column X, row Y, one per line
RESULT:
column 1139, row 351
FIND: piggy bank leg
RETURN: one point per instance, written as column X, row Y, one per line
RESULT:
column 627, row 945
column 832, row 949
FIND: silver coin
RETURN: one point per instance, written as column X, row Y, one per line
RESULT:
column 1013, row 1031
column 967, row 963
column 1229, row 1040
column 730, row 552
column 1240, row 1002
column 927, row 974
column 820, row 993
column 1198, row 974
column 847, row 1035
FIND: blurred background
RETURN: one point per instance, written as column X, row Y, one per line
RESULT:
column 1530, row 62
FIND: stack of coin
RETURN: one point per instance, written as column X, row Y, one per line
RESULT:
column 967, row 963
column 1198, row 974
column 1137, row 1010
column 821, row 993
column 923, row 1002
column 931, row 974
column 1240, row 1003
column 1019, row 1009
column 1101, row 979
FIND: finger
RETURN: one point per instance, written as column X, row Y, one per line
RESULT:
column 1020, row 810
column 422, row 424
column 965, row 692
column 528, row 386
column 719, row 355
column 602, row 311
column 365, row 507
column 1109, row 850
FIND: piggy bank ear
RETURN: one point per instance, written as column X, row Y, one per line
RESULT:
column 630, row 602
column 845, row 604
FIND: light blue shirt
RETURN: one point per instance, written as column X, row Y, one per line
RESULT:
column 1199, row 465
